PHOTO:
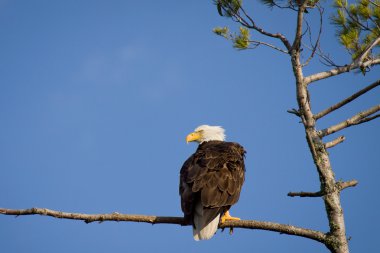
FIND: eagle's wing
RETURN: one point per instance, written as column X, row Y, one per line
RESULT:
column 215, row 175
column 185, row 191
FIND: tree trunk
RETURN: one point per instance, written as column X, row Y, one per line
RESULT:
column 337, row 241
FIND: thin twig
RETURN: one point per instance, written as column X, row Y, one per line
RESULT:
column 279, row 36
column 316, row 46
column 252, row 25
column 294, row 111
column 257, row 43
column 355, row 19
column 290, row 6
column 324, row 58
column 354, row 120
column 247, row 224
column 374, row 22
column 347, row 100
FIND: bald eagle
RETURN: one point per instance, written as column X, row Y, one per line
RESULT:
column 210, row 180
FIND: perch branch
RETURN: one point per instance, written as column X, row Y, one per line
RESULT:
column 354, row 120
column 247, row 224
column 347, row 100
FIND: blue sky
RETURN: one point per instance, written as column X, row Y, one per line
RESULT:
column 96, row 98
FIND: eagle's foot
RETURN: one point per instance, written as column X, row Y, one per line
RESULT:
column 227, row 217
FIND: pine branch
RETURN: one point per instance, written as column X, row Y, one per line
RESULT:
column 245, row 20
column 247, row 224
column 367, row 50
column 347, row 100
column 252, row 25
column 357, row 119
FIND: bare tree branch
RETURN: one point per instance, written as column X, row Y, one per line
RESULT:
column 367, row 119
column 347, row 100
column 354, row 120
column 294, row 111
column 335, row 142
column 298, row 36
column 340, row 70
column 344, row 185
column 306, row 194
column 339, row 186
column 247, row 224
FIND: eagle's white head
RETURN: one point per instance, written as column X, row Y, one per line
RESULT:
column 206, row 133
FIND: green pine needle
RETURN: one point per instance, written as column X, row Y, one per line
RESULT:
column 269, row 3
column 222, row 31
column 241, row 41
column 357, row 25
column 228, row 8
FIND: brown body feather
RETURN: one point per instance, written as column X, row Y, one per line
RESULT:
column 213, row 175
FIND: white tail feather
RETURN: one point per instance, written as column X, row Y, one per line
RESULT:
column 202, row 231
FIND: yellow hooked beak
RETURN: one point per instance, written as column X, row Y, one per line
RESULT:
column 193, row 137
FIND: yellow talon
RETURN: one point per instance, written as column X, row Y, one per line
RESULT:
column 228, row 217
